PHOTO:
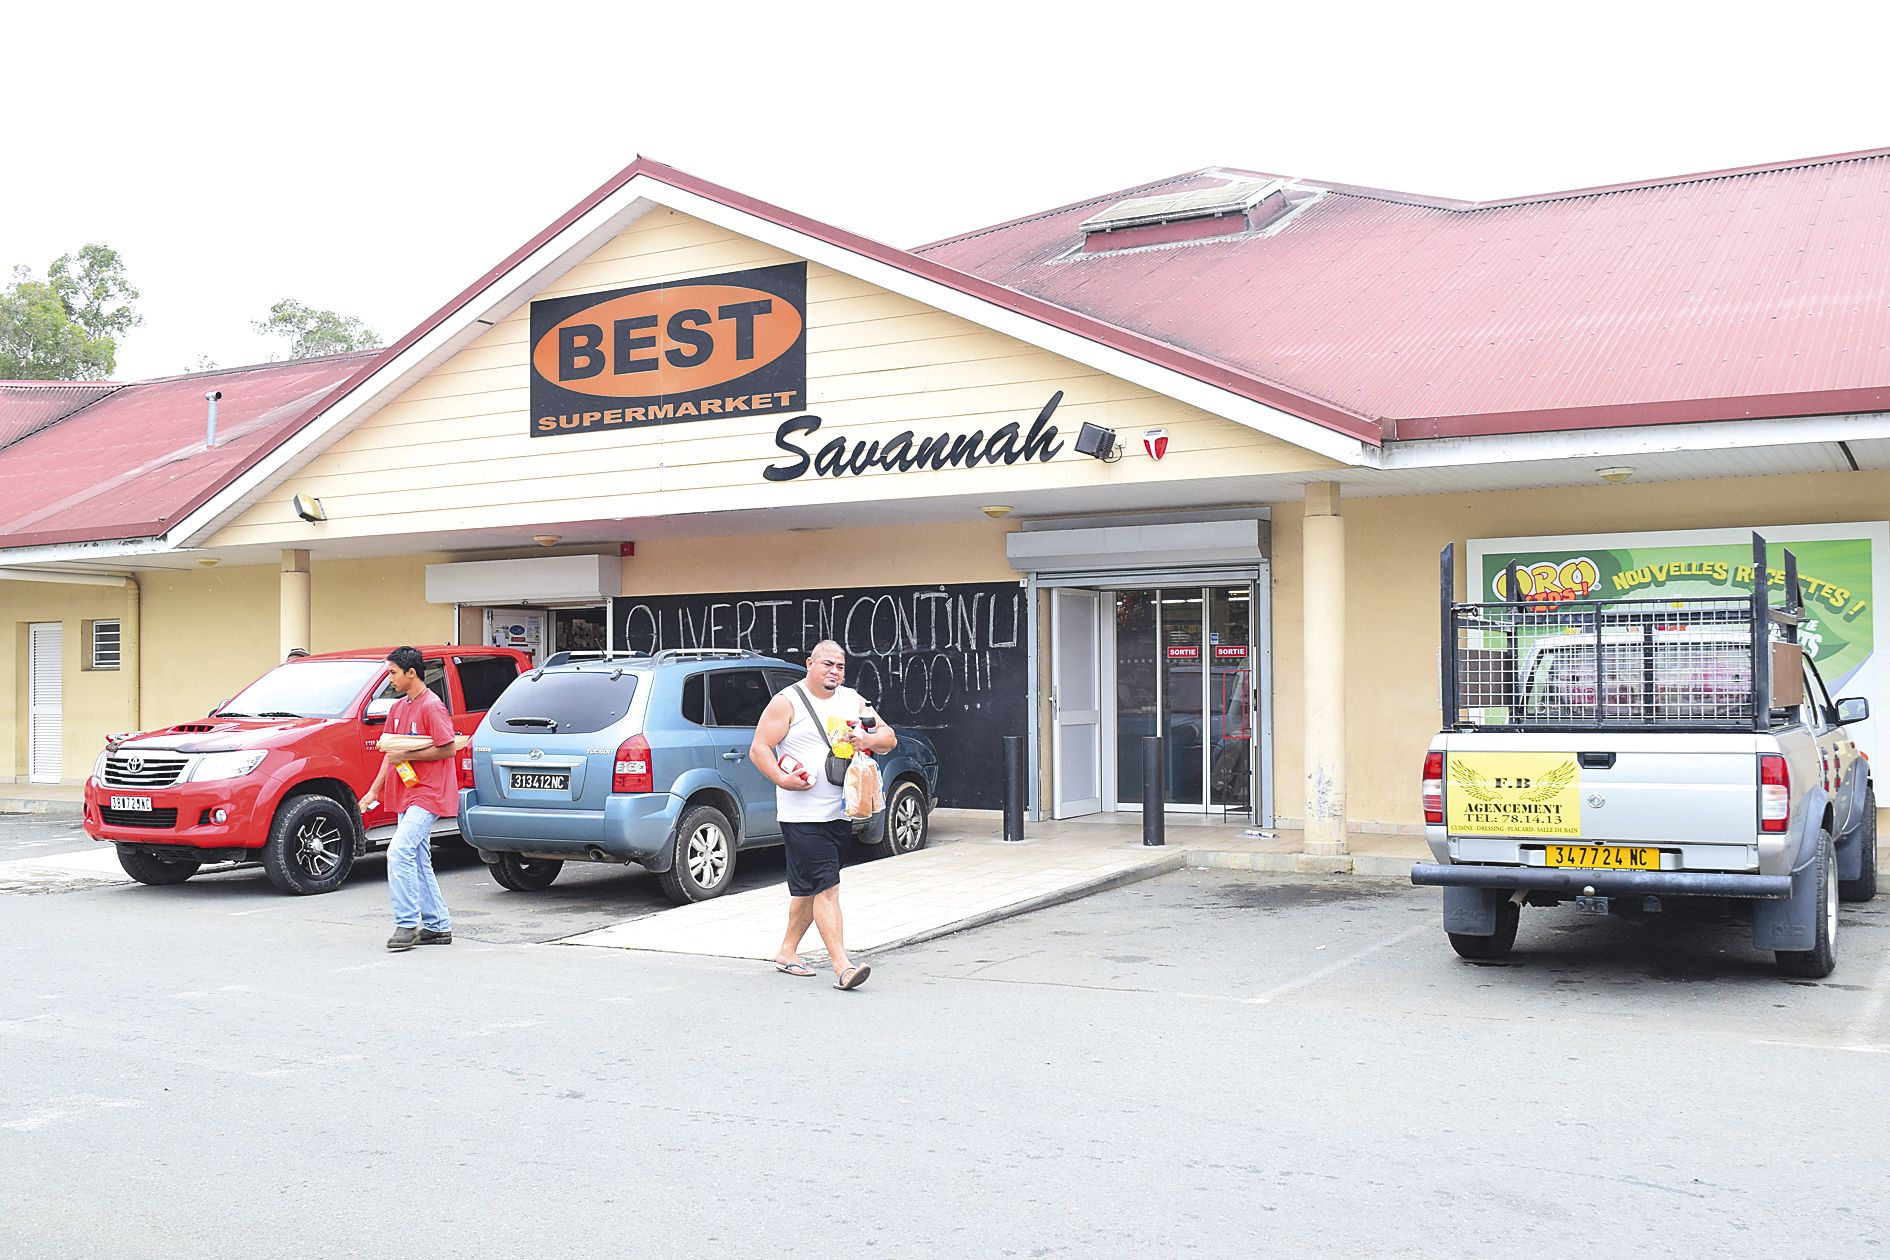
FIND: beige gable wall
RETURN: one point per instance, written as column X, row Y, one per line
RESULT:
column 877, row 364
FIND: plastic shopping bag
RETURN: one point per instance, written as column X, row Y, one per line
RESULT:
column 865, row 796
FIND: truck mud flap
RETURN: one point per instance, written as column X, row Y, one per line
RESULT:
column 1792, row 924
column 1471, row 911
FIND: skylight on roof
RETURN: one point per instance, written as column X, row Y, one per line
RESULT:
column 1237, row 197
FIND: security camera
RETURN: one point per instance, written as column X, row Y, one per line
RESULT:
column 309, row 508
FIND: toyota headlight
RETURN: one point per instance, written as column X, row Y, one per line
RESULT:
column 226, row 765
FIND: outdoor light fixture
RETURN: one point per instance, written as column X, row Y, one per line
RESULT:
column 1097, row 442
column 546, row 540
column 208, row 562
column 309, row 508
column 1614, row 476
column 997, row 511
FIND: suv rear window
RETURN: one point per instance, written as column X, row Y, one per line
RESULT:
column 574, row 702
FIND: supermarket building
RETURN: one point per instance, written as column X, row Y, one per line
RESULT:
column 1177, row 460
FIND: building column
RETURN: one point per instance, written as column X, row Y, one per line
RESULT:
column 296, row 618
column 1322, row 580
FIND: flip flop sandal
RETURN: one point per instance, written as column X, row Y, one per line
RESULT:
column 854, row 977
column 794, row 969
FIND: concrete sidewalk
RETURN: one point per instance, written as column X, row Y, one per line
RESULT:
column 968, row 876
column 42, row 798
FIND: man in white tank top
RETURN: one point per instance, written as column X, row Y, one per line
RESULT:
column 814, row 828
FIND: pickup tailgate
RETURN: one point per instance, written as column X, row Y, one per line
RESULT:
column 1604, row 787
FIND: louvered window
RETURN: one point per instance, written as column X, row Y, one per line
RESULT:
column 106, row 650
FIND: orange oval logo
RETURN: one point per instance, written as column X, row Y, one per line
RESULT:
column 667, row 341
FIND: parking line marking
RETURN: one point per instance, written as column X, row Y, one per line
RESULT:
column 1340, row 965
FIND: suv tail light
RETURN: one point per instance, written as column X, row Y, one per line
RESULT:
column 633, row 771
column 464, row 761
column 1775, row 792
column 1433, row 787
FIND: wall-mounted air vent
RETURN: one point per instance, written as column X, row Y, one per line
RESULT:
column 1200, row 214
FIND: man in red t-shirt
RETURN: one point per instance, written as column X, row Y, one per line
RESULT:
column 420, row 790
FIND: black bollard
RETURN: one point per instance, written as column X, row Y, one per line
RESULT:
column 1152, row 795
column 1016, row 780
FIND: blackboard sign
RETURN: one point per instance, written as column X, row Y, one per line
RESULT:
column 949, row 661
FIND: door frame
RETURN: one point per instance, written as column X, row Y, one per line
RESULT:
column 1260, row 682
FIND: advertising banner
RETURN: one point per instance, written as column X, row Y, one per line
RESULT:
column 1841, row 570
column 696, row 349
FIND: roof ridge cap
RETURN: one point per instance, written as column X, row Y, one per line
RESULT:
column 253, row 367
column 1694, row 177
column 1039, row 215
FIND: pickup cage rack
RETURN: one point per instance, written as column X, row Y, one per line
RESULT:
column 1692, row 663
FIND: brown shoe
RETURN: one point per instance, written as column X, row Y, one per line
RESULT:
column 427, row 936
column 403, row 938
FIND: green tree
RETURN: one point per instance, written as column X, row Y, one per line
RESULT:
column 92, row 284
column 66, row 327
column 314, row 332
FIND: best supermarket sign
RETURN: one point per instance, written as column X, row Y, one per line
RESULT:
column 710, row 346
column 1841, row 568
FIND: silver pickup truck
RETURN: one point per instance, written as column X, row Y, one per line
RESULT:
column 1620, row 753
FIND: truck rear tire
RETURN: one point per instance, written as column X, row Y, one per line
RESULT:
column 148, row 868
column 310, row 848
column 1821, row 959
column 1487, row 948
column 1864, row 887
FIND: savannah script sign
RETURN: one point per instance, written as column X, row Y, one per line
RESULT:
column 709, row 346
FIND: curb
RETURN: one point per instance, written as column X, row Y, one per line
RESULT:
column 1103, row 883
column 27, row 805
column 1368, row 865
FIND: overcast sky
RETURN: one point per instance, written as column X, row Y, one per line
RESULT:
column 375, row 159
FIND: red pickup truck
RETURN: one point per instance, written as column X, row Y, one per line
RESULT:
column 275, row 774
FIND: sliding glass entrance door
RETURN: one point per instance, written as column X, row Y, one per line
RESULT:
column 1184, row 661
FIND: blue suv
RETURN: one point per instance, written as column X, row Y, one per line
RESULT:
column 632, row 758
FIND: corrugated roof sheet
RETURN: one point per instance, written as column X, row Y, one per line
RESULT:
column 26, row 407
column 134, row 463
column 1755, row 292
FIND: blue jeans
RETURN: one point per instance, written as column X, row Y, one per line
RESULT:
column 410, row 882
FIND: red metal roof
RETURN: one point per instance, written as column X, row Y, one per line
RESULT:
column 133, row 462
column 26, row 407
column 1757, row 292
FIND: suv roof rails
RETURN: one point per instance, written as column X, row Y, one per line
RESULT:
column 703, row 654
column 566, row 658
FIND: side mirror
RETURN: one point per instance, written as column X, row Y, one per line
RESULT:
column 377, row 709
column 1854, row 710
column 218, row 707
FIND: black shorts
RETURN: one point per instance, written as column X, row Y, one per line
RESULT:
column 814, row 850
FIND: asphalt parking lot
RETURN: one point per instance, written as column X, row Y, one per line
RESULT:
column 1207, row 1063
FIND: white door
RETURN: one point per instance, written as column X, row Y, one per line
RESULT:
column 45, row 688
column 1076, row 701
